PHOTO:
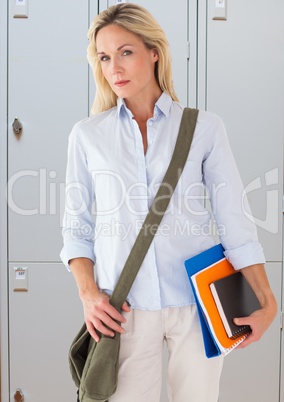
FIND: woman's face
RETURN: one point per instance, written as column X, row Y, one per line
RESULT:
column 126, row 63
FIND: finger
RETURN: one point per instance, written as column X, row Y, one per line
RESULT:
column 114, row 314
column 249, row 339
column 92, row 331
column 111, row 324
column 254, row 336
column 103, row 329
column 241, row 321
column 97, row 325
column 105, row 324
column 107, row 314
column 125, row 307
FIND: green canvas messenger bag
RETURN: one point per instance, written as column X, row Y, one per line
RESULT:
column 94, row 366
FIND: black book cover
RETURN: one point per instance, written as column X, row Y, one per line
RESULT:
column 234, row 298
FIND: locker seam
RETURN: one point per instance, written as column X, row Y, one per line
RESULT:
column 7, row 209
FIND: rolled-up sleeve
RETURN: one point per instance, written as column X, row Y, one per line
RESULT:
column 228, row 200
column 78, row 222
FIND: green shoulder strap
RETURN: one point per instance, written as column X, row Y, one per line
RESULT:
column 157, row 210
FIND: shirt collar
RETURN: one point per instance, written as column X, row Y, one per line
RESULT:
column 163, row 105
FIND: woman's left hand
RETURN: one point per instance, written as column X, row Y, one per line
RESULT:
column 259, row 321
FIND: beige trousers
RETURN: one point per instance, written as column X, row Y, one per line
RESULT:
column 191, row 376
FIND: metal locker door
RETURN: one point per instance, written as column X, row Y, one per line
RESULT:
column 245, row 87
column 48, row 93
column 43, row 322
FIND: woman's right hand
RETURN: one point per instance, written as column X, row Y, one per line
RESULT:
column 101, row 316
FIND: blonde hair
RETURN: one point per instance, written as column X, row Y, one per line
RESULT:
column 139, row 21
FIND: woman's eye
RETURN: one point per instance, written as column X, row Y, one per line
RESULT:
column 126, row 52
column 104, row 58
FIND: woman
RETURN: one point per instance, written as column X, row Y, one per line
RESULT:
column 116, row 160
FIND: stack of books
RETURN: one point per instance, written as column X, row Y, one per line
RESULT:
column 221, row 294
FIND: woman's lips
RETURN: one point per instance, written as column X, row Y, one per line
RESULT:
column 121, row 83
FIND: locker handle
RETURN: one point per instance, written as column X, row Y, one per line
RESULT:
column 19, row 396
column 17, row 126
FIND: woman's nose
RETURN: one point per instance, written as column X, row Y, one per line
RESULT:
column 115, row 66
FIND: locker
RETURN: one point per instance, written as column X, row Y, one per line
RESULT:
column 43, row 323
column 245, row 87
column 48, row 92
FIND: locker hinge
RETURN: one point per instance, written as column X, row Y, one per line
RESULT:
column 188, row 50
column 283, row 203
column 281, row 319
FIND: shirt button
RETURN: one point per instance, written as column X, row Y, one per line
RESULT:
column 150, row 123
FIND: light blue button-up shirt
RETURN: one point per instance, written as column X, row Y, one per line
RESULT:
column 111, row 183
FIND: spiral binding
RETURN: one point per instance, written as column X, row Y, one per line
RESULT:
column 240, row 340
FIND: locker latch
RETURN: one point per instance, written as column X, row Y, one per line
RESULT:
column 19, row 396
column 17, row 126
